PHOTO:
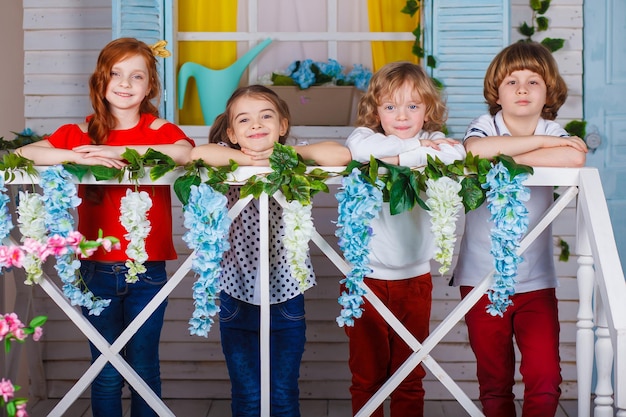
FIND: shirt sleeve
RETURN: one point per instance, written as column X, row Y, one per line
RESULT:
column 172, row 134
column 364, row 142
column 446, row 153
column 481, row 127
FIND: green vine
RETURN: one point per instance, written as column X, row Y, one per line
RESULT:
column 403, row 185
column 289, row 175
column 540, row 23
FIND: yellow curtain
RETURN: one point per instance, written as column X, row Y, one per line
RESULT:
column 386, row 16
column 204, row 16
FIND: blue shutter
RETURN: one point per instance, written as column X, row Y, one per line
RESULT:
column 464, row 37
column 146, row 21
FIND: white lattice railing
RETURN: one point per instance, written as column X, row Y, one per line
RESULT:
column 601, row 325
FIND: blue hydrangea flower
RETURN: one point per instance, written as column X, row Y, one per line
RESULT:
column 206, row 219
column 505, row 201
column 6, row 224
column 359, row 203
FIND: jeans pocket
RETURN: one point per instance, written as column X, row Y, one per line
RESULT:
column 154, row 275
column 229, row 307
column 293, row 309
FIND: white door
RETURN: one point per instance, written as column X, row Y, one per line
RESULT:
column 604, row 104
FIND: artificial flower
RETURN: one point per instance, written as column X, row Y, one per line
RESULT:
column 6, row 224
column 308, row 73
column 59, row 198
column 134, row 217
column 505, row 201
column 298, row 232
column 444, row 203
column 206, row 219
column 359, row 203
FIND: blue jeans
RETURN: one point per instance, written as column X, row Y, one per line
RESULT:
column 107, row 280
column 239, row 329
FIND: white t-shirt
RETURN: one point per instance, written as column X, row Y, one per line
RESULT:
column 536, row 271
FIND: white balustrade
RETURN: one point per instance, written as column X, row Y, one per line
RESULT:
column 600, row 280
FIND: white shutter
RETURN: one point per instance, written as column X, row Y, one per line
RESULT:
column 464, row 37
column 146, row 21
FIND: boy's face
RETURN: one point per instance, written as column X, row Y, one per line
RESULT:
column 522, row 94
column 404, row 114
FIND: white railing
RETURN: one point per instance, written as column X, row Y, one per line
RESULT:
column 601, row 325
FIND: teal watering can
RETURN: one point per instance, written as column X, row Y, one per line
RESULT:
column 215, row 86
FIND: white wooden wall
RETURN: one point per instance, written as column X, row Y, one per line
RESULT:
column 61, row 42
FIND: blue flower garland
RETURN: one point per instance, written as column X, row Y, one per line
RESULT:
column 207, row 221
column 359, row 203
column 505, row 201
column 59, row 197
column 6, row 224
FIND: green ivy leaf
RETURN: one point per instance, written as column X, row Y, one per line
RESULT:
column 102, row 173
column 553, row 44
column 280, row 79
column 401, row 195
column 472, row 193
column 252, row 187
column 543, row 7
column 526, row 30
column 564, row 255
column 535, row 4
column 513, row 167
column 577, row 128
column 283, row 158
column 77, row 170
column 38, row 321
column 300, row 189
column 182, row 187
column 542, row 23
column 411, row 7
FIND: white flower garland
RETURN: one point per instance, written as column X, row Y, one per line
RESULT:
column 298, row 232
column 444, row 203
column 134, row 208
column 32, row 226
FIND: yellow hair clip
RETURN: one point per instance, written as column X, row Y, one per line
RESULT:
column 158, row 49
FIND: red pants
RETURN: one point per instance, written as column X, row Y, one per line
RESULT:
column 376, row 351
column 533, row 321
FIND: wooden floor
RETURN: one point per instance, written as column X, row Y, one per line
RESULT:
column 309, row 408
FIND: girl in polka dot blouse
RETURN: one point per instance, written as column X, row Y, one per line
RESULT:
column 256, row 118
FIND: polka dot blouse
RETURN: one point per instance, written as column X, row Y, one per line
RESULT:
column 240, row 266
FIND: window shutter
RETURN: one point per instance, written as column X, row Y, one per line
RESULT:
column 146, row 21
column 464, row 37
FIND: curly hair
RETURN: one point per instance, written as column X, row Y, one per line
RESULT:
column 115, row 51
column 531, row 56
column 219, row 128
column 391, row 78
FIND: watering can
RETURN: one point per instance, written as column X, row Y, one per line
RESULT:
column 215, row 86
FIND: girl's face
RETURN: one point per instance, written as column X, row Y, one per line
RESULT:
column 522, row 94
column 255, row 124
column 404, row 114
column 129, row 84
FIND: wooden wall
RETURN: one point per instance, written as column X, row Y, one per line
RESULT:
column 61, row 42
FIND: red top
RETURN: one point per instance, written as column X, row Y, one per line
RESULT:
column 100, row 207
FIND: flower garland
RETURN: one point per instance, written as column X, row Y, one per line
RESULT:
column 359, row 203
column 33, row 230
column 59, row 197
column 11, row 328
column 5, row 217
column 298, row 232
column 134, row 208
column 207, row 221
column 444, row 203
column 505, row 201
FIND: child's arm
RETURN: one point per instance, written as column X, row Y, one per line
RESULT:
column 515, row 146
column 364, row 142
column 446, row 152
column 325, row 153
column 179, row 151
column 43, row 153
column 218, row 155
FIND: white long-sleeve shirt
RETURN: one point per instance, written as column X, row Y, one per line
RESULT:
column 402, row 245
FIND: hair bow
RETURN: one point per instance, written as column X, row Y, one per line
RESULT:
column 158, row 49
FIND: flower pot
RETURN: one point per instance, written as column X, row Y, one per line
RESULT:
column 320, row 106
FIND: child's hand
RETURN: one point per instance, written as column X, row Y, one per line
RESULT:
column 258, row 155
column 575, row 142
column 100, row 151
column 434, row 143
